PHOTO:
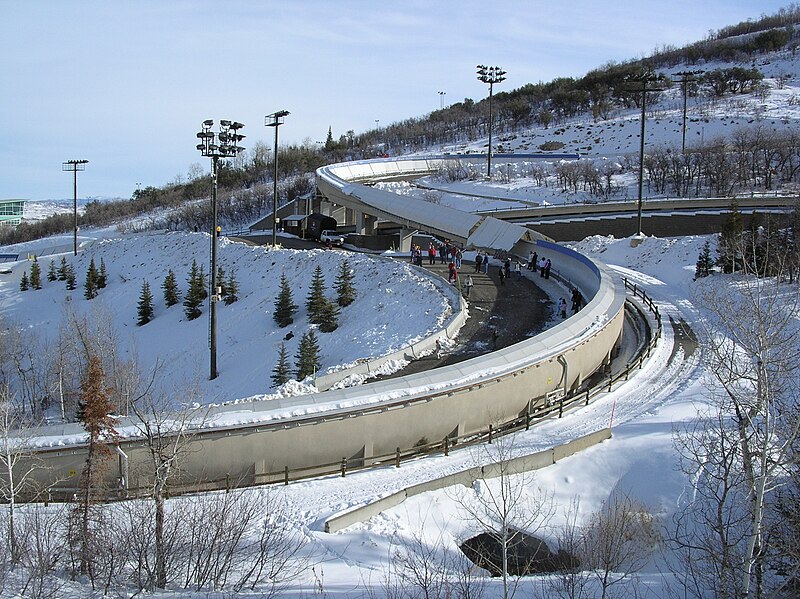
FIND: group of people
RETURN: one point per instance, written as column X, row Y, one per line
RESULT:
column 481, row 262
column 541, row 263
column 577, row 303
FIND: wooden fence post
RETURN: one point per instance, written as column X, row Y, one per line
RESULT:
column 344, row 467
column 491, row 430
column 446, row 446
column 286, row 475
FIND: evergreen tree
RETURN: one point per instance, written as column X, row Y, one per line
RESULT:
column 307, row 356
column 90, row 287
column 145, row 307
column 329, row 143
column 345, row 292
column 70, row 278
column 194, row 296
column 36, row 275
column 281, row 373
column 52, row 275
column 62, row 270
column 101, row 276
column 329, row 317
column 231, row 290
column 202, row 284
column 704, row 262
column 315, row 302
column 729, row 242
column 23, row 283
column 284, row 305
column 170, row 287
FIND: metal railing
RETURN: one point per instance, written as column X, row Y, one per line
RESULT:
column 539, row 408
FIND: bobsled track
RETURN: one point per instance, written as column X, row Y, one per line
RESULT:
column 339, row 430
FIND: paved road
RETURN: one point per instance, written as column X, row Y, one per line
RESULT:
column 513, row 312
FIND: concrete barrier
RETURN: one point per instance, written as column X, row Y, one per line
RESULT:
column 518, row 465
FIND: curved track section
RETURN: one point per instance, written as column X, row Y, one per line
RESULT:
column 259, row 442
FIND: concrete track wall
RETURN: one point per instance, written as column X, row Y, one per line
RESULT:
column 263, row 438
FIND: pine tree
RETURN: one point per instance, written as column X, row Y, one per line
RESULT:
column 70, row 278
column 315, row 302
column 194, row 296
column 329, row 143
column 281, row 373
column 170, row 287
column 23, row 283
column 704, row 262
column 52, row 275
column 101, row 276
column 284, row 305
column 36, row 275
column 729, row 242
column 231, row 290
column 62, row 270
column 345, row 292
column 90, row 286
column 329, row 317
column 203, row 284
column 307, row 356
column 145, row 307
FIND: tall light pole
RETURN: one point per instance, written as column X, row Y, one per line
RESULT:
column 441, row 100
column 646, row 82
column 490, row 75
column 74, row 166
column 216, row 145
column 277, row 121
column 687, row 77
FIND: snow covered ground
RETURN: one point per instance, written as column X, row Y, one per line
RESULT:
column 639, row 460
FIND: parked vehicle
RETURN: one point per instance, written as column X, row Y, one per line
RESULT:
column 326, row 235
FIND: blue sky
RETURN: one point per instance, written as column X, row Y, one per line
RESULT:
column 127, row 84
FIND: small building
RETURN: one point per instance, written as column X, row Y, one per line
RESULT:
column 11, row 212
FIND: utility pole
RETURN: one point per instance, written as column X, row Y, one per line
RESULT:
column 687, row 77
column 490, row 75
column 645, row 82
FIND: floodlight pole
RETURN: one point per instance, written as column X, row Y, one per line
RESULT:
column 74, row 166
column 277, row 121
column 216, row 145
column 490, row 75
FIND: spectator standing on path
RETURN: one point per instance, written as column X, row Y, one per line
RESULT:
column 518, row 269
column 542, row 263
column 459, row 256
column 532, row 257
column 577, row 300
column 442, row 254
column 431, row 254
column 478, row 262
column 452, row 273
column 547, row 269
column 485, row 263
column 562, row 307
column 502, row 273
column 468, row 285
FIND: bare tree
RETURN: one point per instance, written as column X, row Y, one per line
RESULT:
column 166, row 429
column 17, row 460
column 504, row 505
column 752, row 348
column 619, row 540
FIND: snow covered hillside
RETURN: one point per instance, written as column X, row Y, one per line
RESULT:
column 395, row 306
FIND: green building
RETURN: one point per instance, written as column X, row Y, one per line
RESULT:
column 11, row 212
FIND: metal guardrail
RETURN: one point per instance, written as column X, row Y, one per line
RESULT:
column 539, row 409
